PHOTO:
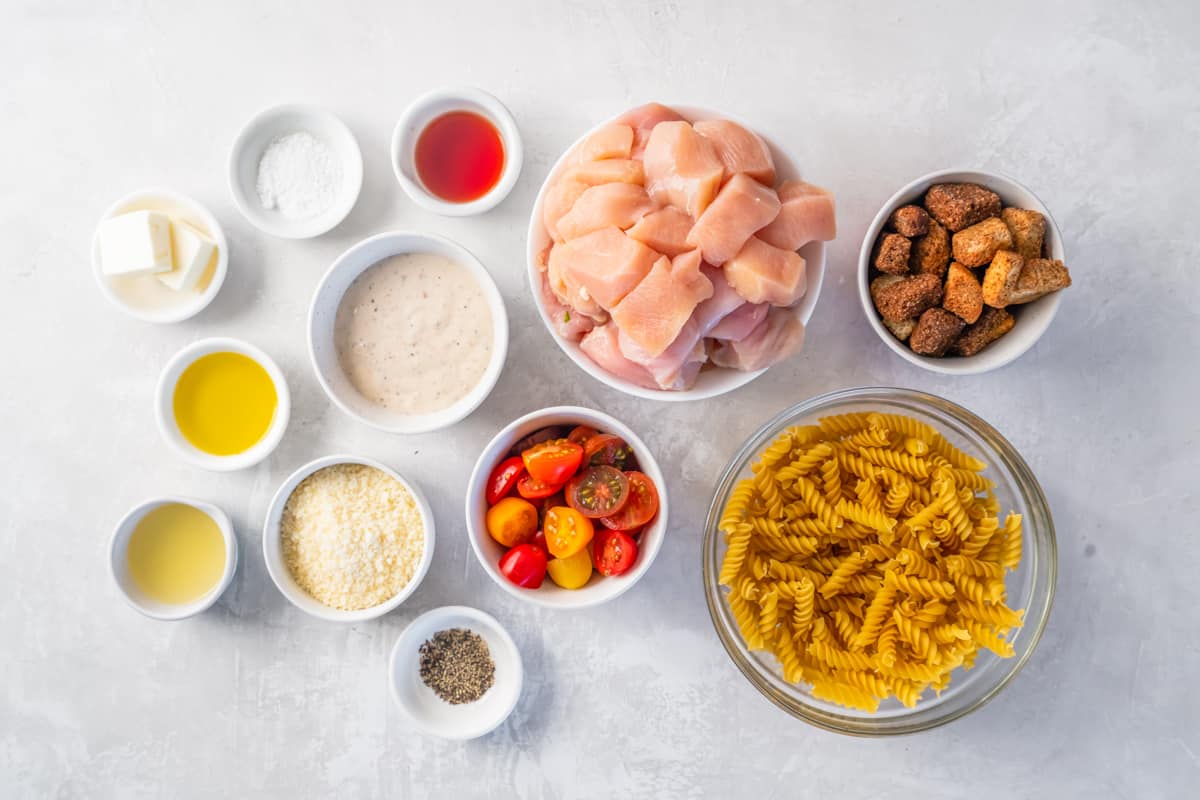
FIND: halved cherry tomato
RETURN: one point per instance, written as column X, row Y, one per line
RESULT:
column 598, row 491
column 604, row 449
column 581, row 434
column 524, row 565
column 553, row 462
column 572, row 572
column 614, row 552
column 547, row 503
column 512, row 521
column 539, row 541
column 641, row 508
column 503, row 478
column 532, row 489
column 567, row 531
column 537, row 437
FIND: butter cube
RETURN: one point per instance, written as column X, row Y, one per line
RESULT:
column 191, row 251
column 137, row 243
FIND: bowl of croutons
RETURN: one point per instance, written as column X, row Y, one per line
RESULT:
column 960, row 272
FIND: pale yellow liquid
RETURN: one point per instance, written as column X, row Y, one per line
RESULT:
column 176, row 554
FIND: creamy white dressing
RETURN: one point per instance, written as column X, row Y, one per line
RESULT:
column 414, row 333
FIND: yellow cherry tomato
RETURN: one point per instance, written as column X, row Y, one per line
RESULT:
column 512, row 521
column 572, row 572
column 567, row 531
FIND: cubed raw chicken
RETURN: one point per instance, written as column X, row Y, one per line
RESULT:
column 655, row 311
column 678, row 365
column 739, row 323
column 765, row 274
column 778, row 336
column 740, row 150
column 601, row 267
column 567, row 294
column 612, row 170
column 614, row 140
column 643, row 119
column 741, row 207
column 665, row 230
column 724, row 301
column 682, row 168
column 570, row 325
column 601, row 345
column 807, row 215
column 617, row 205
column 561, row 195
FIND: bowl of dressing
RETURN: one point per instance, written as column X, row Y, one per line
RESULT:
column 407, row 332
column 172, row 557
column 222, row 404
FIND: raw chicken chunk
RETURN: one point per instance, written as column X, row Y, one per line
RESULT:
column 741, row 207
column 567, row 294
column 655, row 311
column 682, row 168
column 601, row 345
column 665, row 230
column 807, row 215
column 776, row 337
column 570, row 325
column 643, row 120
column 740, row 150
column 607, row 205
column 765, row 274
column 560, row 197
column 612, row 170
column 601, row 267
column 739, row 323
column 613, row 140
column 724, row 301
column 678, row 365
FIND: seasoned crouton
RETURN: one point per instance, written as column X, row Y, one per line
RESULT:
column 902, row 329
column 963, row 294
column 908, row 297
column 976, row 245
column 936, row 330
column 992, row 324
column 931, row 252
column 891, row 254
column 1028, row 230
column 879, row 283
column 961, row 205
column 909, row 221
column 1039, row 276
column 1000, row 280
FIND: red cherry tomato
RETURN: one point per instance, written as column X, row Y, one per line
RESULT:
column 604, row 449
column 580, row 434
column 532, row 489
column 641, row 507
column 504, row 477
column 553, row 462
column 613, row 552
column 524, row 565
column 539, row 541
column 598, row 492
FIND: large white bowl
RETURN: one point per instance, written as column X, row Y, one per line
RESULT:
column 323, row 313
column 712, row 382
column 599, row 589
column 1032, row 319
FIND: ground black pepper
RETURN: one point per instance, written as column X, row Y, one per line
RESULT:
column 457, row 665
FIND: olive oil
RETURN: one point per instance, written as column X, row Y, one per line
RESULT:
column 224, row 403
column 176, row 553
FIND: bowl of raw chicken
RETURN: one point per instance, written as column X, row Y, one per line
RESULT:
column 676, row 254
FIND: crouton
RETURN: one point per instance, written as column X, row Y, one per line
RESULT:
column 978, row 244
column 936, row 330
column 891, row 254
column 909, row 221
column 1028, row 230
column 902, row 329
column 1039, row 277
column 1000, row 280
column 879, row 283
column 963, row 294
column 992, row 324
column 908, row 297
column 931, row 252
column 961, row 205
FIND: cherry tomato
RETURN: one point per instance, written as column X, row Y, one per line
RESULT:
column 539, row 541
column 548, row 503
column 598, row 491
column 572, row 572
column 524, row 565
column 532, row 489
column 553, row 462
column 504, row 477
column 581, row 434
column 567, row 531
column 537, row 437
column 512, row 521
column 641, row 508
column 604, row 449
column 614, row 552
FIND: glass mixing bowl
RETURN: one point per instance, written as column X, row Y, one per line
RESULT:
column 1030, row 587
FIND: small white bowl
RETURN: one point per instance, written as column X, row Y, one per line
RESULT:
column 118, row 564
column 164, row 402
column 252, row 142
column 282, row 576
column 429, row 712
column 599, row 589
column 1032, row 319
column 712, row 382
column 429, row 107
column 145, row 296
column 322, row 315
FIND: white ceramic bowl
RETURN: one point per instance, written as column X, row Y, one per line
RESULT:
column 429, row 107
column 712, row 382
column 599, row 589
column 429, row 712
column 323, row 313
column 146, row 297
column 118, row 564
column 1032, row 319
column 253, row 140
column 282, row 576
column 164, row 412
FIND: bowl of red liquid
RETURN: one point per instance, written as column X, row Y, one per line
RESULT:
column 457, row 152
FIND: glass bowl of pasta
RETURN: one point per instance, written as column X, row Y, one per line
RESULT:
column 879, row 561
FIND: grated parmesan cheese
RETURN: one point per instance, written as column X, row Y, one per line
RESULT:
column 352, row 536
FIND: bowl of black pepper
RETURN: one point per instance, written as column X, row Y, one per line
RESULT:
column 456, row 673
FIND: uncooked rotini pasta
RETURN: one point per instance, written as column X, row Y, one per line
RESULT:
column 867, row 554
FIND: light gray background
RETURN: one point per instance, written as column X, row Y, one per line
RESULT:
column 1095, row 106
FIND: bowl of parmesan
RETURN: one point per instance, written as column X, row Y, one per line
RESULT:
column 347, row 539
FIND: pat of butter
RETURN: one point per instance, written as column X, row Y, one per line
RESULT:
column 137, row 243
column 191, row 251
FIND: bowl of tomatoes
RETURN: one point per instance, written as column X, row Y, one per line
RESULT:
column 566, row 508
